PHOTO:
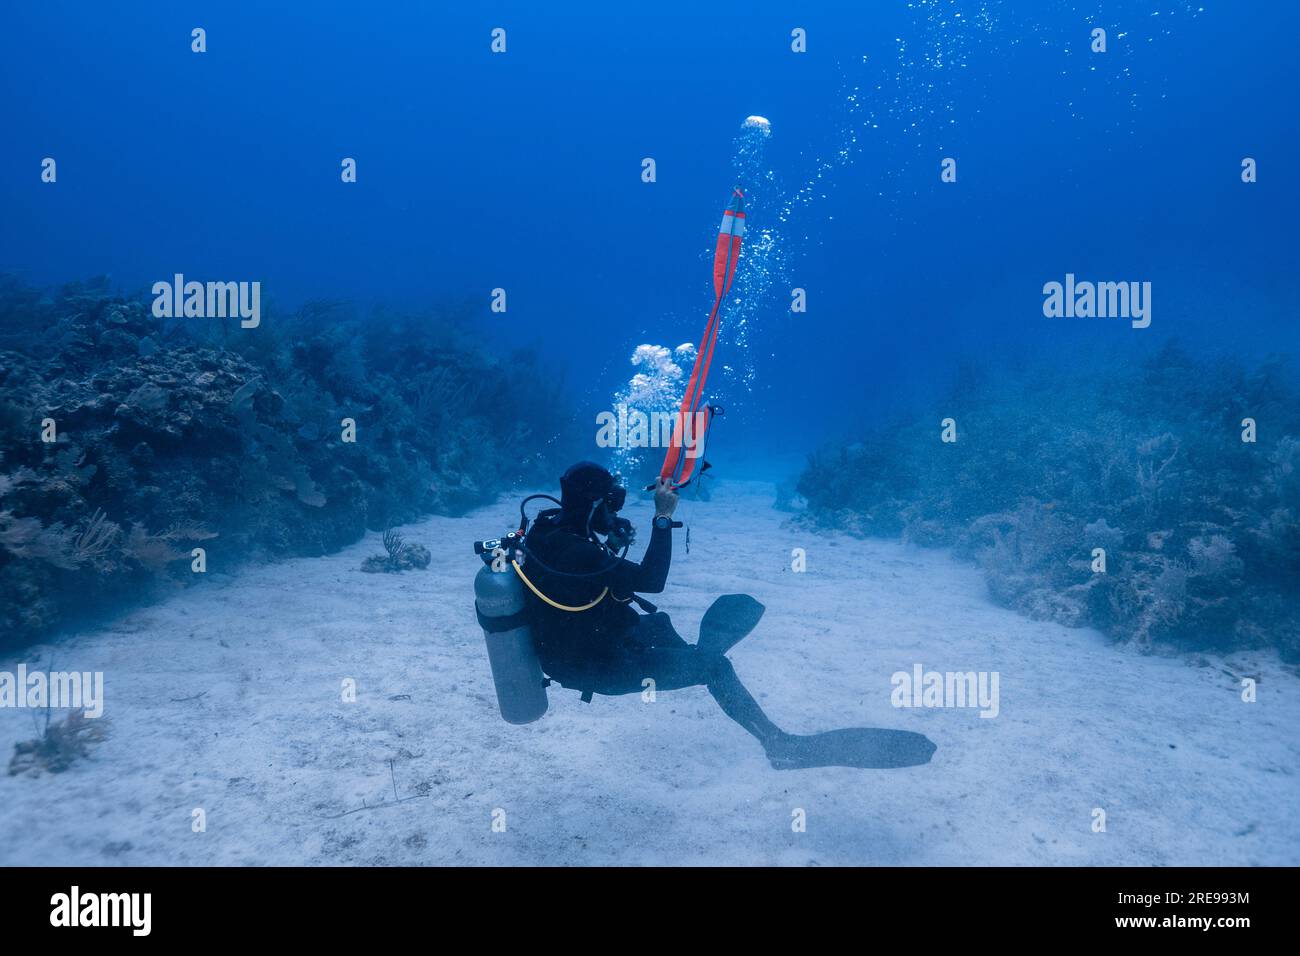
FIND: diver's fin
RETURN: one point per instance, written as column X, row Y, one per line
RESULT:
column 866, row 748
column 727, row 621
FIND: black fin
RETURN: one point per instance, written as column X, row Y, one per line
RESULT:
column 727, row 621
column 866, row 748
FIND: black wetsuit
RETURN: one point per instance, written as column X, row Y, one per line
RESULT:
column 611, row 649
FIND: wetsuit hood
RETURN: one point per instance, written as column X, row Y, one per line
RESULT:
column 589, row 493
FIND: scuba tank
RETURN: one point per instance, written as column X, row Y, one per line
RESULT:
column 500, row 602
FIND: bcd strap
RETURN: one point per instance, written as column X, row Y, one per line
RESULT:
column 495, row 625
column 641, row 602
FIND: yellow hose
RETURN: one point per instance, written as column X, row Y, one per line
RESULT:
column 561, row 607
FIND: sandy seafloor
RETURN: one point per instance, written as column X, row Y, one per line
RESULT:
column 227, row 697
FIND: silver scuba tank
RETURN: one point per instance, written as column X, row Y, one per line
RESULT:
column 516, row 671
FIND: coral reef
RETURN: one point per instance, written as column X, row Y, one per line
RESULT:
column 401, row 556
column 1200, row 530
column 128, row 442
column 60, row 744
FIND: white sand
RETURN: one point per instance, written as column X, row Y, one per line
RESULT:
column 1186, row 772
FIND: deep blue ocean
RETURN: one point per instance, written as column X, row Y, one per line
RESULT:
column 522, row 170
column 304, row 562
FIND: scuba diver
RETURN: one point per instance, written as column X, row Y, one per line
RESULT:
column 587, row 636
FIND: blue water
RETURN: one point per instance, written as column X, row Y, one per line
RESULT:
column 522, row 171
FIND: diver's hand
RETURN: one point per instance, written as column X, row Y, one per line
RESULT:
column 665, row 497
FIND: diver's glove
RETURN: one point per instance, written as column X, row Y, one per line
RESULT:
column 622, row 535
